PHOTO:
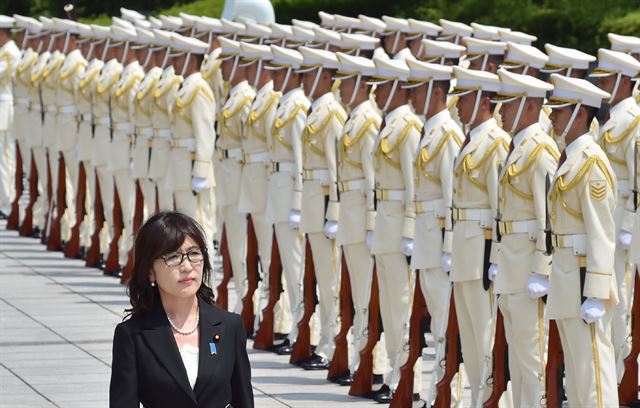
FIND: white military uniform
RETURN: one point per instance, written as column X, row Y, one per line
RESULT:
column 617, row 137
column 192, row 148
column 474, row 209
column 284, row 193
column 9, row 58
column 582, row 213
column 433, row 194
column 320, row 203
column 21, row 86
column 522, row 252
column 228, row 172
column 394, row 152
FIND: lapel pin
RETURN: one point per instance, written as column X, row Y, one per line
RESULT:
column 212, row 345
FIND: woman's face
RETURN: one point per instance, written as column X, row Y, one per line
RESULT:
column 183, row 280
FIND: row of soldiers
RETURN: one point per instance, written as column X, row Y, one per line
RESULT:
column 461, row 153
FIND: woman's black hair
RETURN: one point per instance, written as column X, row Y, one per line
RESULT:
column 163, row 233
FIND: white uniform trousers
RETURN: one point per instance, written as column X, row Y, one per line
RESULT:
column 7, row 170
column 473, row 309
column 42, row 202
column 148, row 189
column 87, row 226
column 235, row 224
column 72, row 170
column 589, row 359
column 166, row 200
column 105, row 178
column 621, row 312
column 127, row 194
column 524, row 325
column 290, row 247
column 25, row 152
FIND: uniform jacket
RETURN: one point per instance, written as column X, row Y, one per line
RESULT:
column 36, row 105
column 147, row 367
column 49, row 81
column 9, row 58
column 143, row 106
column 211, row 73
column 85, row 97
column 107, row 80
column 68, row 81
column 21, row 89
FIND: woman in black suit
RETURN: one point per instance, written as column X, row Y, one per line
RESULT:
column 177, row 349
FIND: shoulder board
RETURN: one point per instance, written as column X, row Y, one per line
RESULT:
column 161, row 91
column 608, row 138
column 533, row 157
column 312, row 129
column 89, row 78
column 227, row 114
column 279, row 123
column 584, row 170
column 54, row 67
column 64, row 74
column 411, row 124
column 188, row 100
column 255, row 116
column 102, row 87
column 126, row 87
column 348, row 142
column 147, row 88
column 27, row 63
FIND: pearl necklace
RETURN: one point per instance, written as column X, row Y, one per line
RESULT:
column 186, row 332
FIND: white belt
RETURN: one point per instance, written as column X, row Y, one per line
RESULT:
column 389, row 195
column 21, row 102
column 123, row 127
column 282, row 166
column 235, row 154
column 623, row 187
column 576, row 241
column 51, row 109
column 6, row 98
column 483, row 215
column 351, row 185
column 185, row 143
column 145, row 132
column 321, row 175
column 86, row 117
column 435, row 206
column 104, row 121
column 163, row 133
column 69, row 109
column 262, row 157
column 519, row 227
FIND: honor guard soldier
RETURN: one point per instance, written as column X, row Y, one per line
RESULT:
column 212, row 28
column 524, row 262
column 487, row 32
column 359, row 45
column 418, row 31
column 453, row 31
column 392, row 236
column 234, row 113
column 436, row 153
column 9, row 57
column 370, row 26
column 190, row 175
column 162, row 111
column 630, row 45
column 285, row 181
column 484, row 55
column 618, row 138
column 301, row 37
column 582, row 287
column 394, row 38
column 475, row 206
column 319, row 203
column 356, row 184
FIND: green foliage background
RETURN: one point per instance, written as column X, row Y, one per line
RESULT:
column 581, row 24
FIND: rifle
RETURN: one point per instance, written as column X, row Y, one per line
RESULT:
column 547, row 218
column 49, row 192
column 54, row 242
column 403, row 396
column 72, row 249
column 302, row 349
column 340, row 361
column 440, row 343
column 227, row 272
column 555, row 367
column 487, row 354
column 452, row 361
column 264, row 334
column 93, row 252
column 72, row 13
column 252, row 277
column 13, row 220
column 635, row 176
column 112, row 264
column 138, row 215
column 363, row 377
column 500, row 365
column 26, row 229
column 628, row 388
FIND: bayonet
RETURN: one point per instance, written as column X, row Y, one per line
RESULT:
column 498, row 209
column 547, row 217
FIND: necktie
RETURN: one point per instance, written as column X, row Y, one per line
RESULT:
column 563, row 158
column 467, row 139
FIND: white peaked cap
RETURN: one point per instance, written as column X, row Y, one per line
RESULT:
column 20, row 21
column 280, row 30
column 131, row 15
column 312, row 58
column 117, row 21
column 47, row 23
column 143, row 24
column 303, row 23
column 453, row 28
column 326, row 19
column 341, row 21
column 423, row 27
column 123, row 34
column 286, row 57
column 6, row 21
column 371, row 24
column 67, row 26
column 350, row 65
column 614, row 62
column 518, row 37
column 422, row 72
column 232, row 27
column 34, row 26
column 257, row 30
column 569, row 91
column 361, row 41
column 476, row 46
column 188, row 20
column 389, row 70
column 469, row 80
column 300, row 34
column 101, row 32
column 326, row 36
column 624, row 43
column 192, row 45
column 437, row 49
column 487, row 32
column 155, row 22
column 145, row 36
column 561, row 58
column 171, row 23
column 85, row 30
column 209, row 24
column 228, row 46
column 514, row 86
column 162, row 37
column 519, row 55
column 394, row 24
column 256, row 51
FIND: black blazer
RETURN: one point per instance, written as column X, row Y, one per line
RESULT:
column 147, row 367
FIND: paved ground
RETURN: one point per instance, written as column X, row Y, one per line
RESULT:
column 56, row 326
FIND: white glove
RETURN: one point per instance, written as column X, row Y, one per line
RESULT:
column 369, row 239
column 493, row 271
column 538, row 285
column 624, row 239
column 592, row 310
column 132, row 166
column 445, row 262
column 198, row 184
column 407, row 246
column 294, row 219
column 330, row 229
